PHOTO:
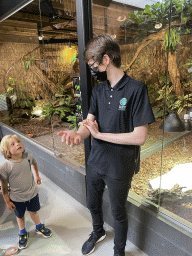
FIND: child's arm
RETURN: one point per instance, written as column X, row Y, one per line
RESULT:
column 35, row 168
column 4, row 187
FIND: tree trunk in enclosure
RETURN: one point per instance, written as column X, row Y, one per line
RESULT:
column 174, row 73
column 172, row 61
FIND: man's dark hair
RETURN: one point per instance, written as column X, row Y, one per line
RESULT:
column 98, row 46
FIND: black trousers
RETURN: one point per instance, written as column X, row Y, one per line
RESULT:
column 118, row 192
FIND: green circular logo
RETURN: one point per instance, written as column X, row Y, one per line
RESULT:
column 123, row 102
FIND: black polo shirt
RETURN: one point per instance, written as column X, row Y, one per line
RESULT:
column 118, row 110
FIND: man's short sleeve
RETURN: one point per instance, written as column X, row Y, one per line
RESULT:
column 142, row 111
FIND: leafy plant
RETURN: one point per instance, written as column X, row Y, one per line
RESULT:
column 77, row 87
column 156, row 17
column 48, row 110
column 19, row 98
column 188, row 65
column 173, row 101
column 73, row 120
column 28, row 62
column 153, row 93
column 61, row 106
column 171, row 40
column 78, row 107
column 63, row 99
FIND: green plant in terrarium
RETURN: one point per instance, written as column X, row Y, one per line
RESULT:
column 188, row 65
column 48, row 110
column 171, row 40
column 78, row 107
column 77, row 87
column 170, row 101
column 73, row 120
column 153, row 94
column 60, row 88
column 61, row 107
column 28, row 62
column 19, row 97
column 63, row 99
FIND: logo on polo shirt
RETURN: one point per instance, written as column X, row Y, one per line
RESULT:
column 123, row 103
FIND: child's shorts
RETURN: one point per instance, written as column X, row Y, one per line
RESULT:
column 32, row 205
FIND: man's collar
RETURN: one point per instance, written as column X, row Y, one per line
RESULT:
column 119, row 84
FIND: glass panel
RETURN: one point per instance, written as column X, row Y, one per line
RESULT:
column 176, row 191
column 156, row 45
column 41, row 67
column 164, row 174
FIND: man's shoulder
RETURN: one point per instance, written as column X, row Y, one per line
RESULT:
column 134, row 84
column 99, row 87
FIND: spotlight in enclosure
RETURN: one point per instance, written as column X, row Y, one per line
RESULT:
column 70, row 47
column 187, row 123
column 121, row 18
column 158, row 26
column 172, row 123
column 41, row 38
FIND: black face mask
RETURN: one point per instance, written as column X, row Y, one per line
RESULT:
column 102, row 76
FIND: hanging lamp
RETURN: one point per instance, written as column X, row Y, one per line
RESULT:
column 172, row 123
column 188, row 116
column 187, row 123
column 190, row 110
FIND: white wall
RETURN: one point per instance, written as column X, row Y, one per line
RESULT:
column 138, row 3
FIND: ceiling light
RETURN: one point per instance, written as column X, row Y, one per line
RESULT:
column 41, row 38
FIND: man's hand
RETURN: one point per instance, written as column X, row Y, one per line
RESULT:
column 93, row 127
column 70, row 137
column 10, row 206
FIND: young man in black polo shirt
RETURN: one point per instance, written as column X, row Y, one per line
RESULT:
column 118, row 118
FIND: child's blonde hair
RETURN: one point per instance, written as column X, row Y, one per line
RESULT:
column 4, row 147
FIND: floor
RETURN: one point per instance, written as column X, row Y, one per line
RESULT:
column 69, row 221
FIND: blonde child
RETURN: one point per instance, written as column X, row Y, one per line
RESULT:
column 23, row 194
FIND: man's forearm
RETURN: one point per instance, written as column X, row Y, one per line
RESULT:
column 84, row 132
column 137, row 137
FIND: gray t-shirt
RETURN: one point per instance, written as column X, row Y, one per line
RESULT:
column 20, row 177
